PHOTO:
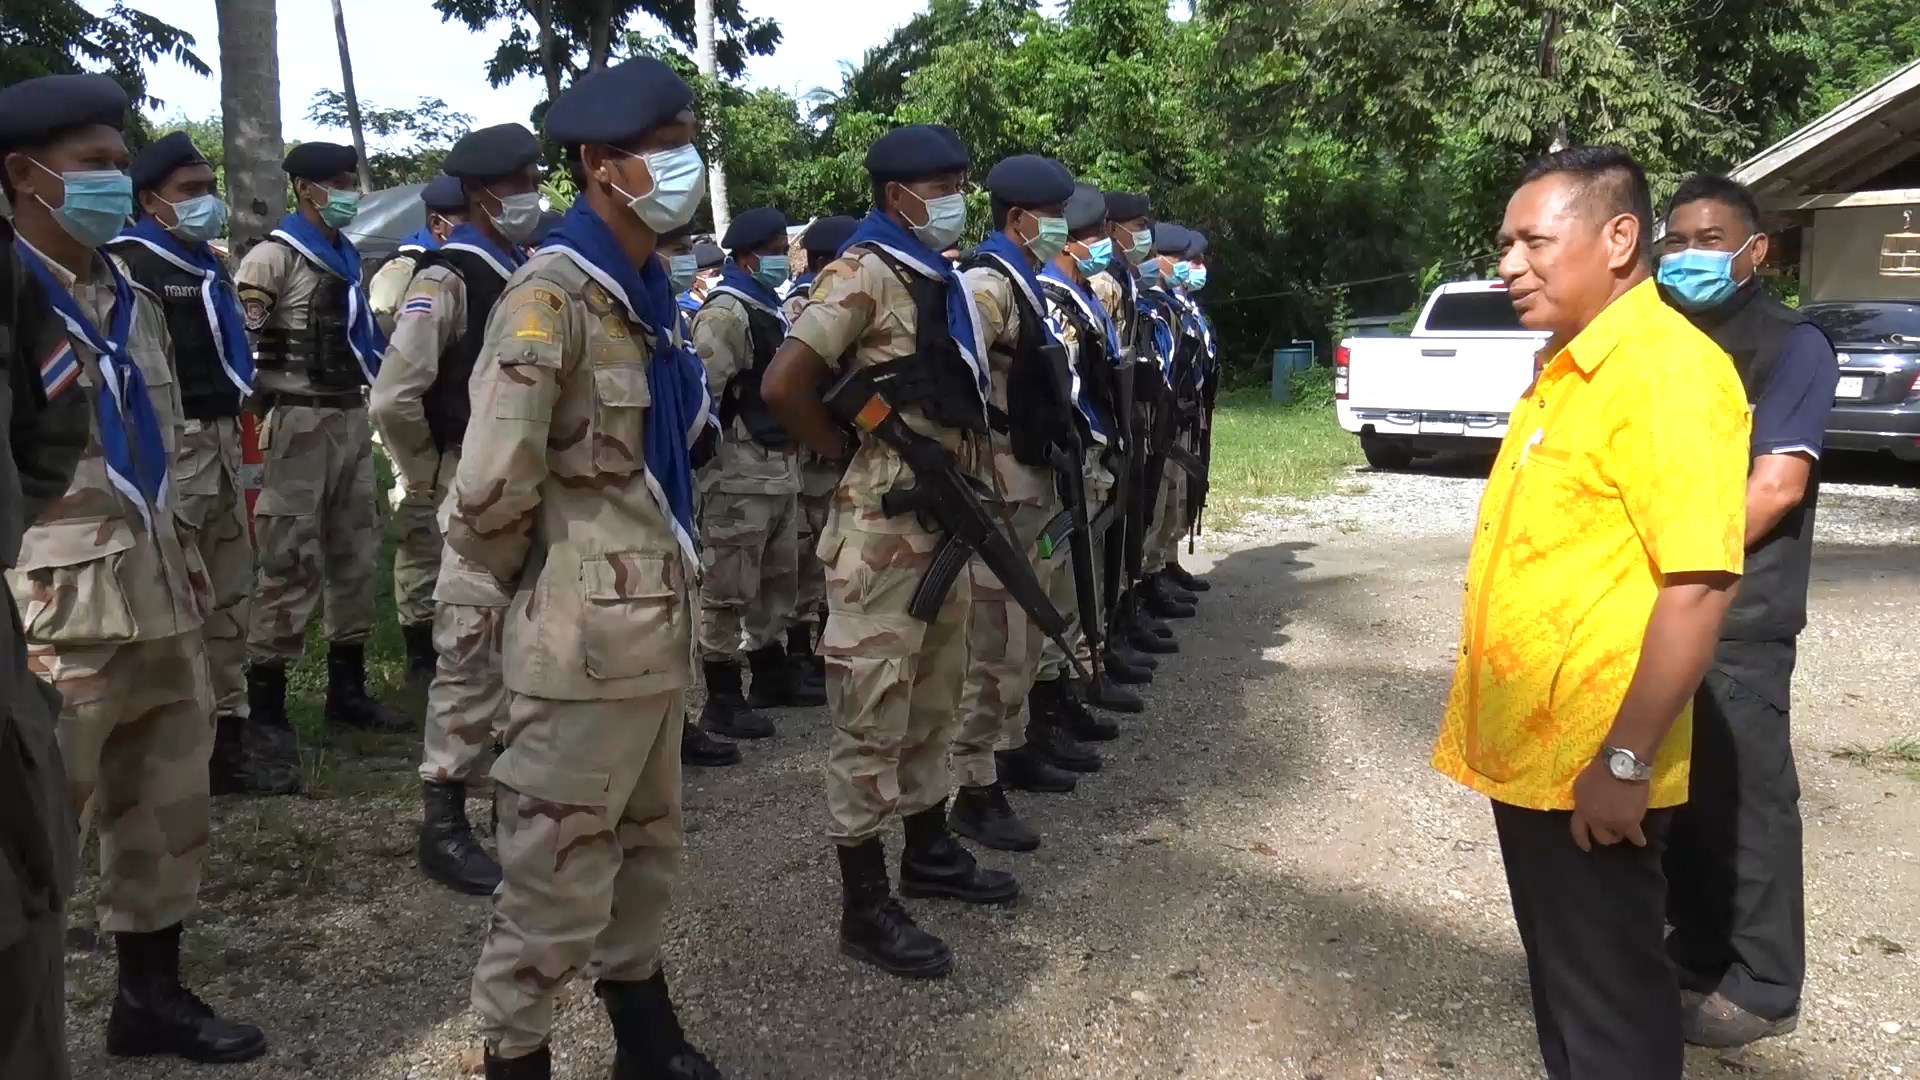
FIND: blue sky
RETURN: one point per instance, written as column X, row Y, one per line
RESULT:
column 402, row 51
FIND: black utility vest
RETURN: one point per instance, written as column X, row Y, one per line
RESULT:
column 741, row 398
column 1772, row 602
column 935, row 379
column 322, row 351
column 206, row 393
column 446, row 401
column 1037, row 405
column 1092, row 362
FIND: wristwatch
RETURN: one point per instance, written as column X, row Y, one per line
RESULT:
column 1624, row 765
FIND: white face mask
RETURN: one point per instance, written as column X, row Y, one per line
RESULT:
column 679, row 183
column 946, row 219
column 519, row 216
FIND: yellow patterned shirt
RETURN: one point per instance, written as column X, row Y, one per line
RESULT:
column 1626, row 461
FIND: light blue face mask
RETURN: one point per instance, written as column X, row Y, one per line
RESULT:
column 681, row 269
column 1150, row 273
column 95, row 205
column 1697, row 279
column 200, row 219
column 771, row 271
column 1099, row 254
column 1049, row 239
column 946, row 219
column 1181, row 271
column 1197, row 278
column 679, row 183
column 1142, row 246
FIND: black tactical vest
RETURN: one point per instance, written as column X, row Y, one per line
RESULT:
column 741, row 398
column 1093, row 363
column 1772, row 602
column 205, row 391
column 1038, row 410
column 446, row 401
column 935, row 379
column 322, row 351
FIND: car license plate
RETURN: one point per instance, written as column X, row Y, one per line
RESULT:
column 1442, row 427
column 1851, row 386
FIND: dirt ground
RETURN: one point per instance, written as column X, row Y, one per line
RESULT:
column 1265, row 881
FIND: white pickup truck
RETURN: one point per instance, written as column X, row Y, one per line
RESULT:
column 1449, row 386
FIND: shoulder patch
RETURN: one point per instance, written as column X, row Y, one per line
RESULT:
column 533, row 320
column 257, row 303
column 548, row 297
column 598, row 300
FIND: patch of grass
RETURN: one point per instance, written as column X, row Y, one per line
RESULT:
column 1262, row 450
column 1900, row 752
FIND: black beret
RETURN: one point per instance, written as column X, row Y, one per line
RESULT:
column 754, row 227
column 706, row 256
column 500, row 150
column 37, row 110
column 445, row 194
column 1171, row 239
column 1085, row 208
column 549, row 221
column 1030, row 180
column 162, row 156
column 619, row 104
column 828, row 235
column 1197, row 247
column 915, row 152
column 1126, row 206
column 319, row 161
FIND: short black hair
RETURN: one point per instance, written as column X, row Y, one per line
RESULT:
column 1720, row 189
column 1608, row 179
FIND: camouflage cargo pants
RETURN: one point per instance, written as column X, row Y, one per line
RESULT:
column 417, row 546
column 1003, row 656
column 467, row 702
column 1169, row 521
column 749, row 570
column 209, row 497
column 588, row 795
column 316, row 528
column 136, row 732
column 1060, row 584
column 893, row 682
column 818, row 479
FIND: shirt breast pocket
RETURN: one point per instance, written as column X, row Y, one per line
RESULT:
column 620, row 400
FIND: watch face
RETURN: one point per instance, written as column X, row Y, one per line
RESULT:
column 1623, row 766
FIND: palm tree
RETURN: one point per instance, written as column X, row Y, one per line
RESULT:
column 353, row 99
column 703, row 27
column 250, row 108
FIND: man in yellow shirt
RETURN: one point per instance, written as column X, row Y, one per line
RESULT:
column 1608, row 546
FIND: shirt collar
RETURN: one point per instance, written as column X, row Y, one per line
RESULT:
column 1591, row 346
column 60, row 273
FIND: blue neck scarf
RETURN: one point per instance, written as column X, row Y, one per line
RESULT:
column 1011, row 253
column 423, row 239
column 1090, row 307
column 675, row 377
column 737, row 280
column 802, row 283
column 342, row 260
column 128, row 428
column 468, row 237
column 1156, row 305
column 216, row 296
column 880, row 231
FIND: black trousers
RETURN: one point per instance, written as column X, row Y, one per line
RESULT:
column 33, row 1000
column 1736, row 893
column 1606, row 1005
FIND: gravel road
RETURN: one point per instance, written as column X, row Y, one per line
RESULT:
column 1266, row 881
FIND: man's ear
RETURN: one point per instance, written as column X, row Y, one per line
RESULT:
column 1623, row 241
column 1762, row 247
column 19, row 169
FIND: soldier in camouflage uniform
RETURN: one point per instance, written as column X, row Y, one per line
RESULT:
column 420, row 405
column 110, row 586
column 893, row 681
column 575, row 492
column 446, row 204
column 314, row 519
column 749, row 492
column 821, row 244
column 167, row 252
column 999, row 745
column 1161, row 597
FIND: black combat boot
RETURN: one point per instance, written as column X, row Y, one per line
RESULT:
column 448, row 852
column 154, row 1014
column 1161, row 602
column 535, row 1066
column 812, row 666
column 934, row 864
column 1074, row 714
column 1025, row 770
column 1048, row 734
column 726, row 712
column 1124, row 667
column 1130, row 656
column 874, row 928
column 1106, row 693
column 699, row 748
column 266, row 758
column 983, row 815
column 1186, row 579
column 778, row 683
column 422, row 660
column 348, row 704
column 649, row 1044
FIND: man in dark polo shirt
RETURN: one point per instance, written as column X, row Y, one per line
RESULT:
column 1733, row 863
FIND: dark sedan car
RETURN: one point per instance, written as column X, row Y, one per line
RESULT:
column 1876, row 406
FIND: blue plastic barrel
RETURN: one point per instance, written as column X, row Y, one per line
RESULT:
column 1285, row 362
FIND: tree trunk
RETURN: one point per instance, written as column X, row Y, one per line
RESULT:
column 600, row 35
column 250, row 111
column 703, row 24
column 1551, row 23
column 353, row 99
column 549, row 64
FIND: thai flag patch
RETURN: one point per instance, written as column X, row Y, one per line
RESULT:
column 59, row 370
column 421, row 305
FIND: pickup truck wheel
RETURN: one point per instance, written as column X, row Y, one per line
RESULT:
column 1386, row 454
